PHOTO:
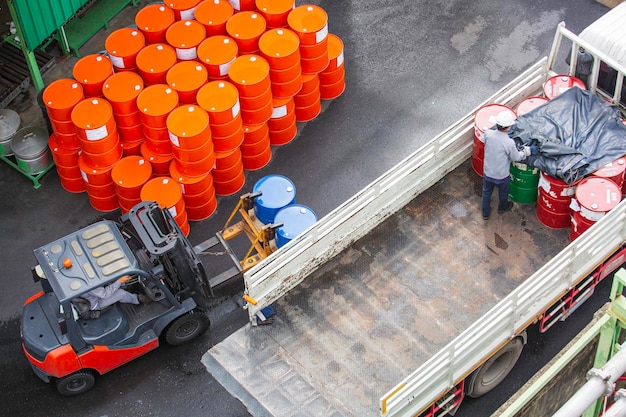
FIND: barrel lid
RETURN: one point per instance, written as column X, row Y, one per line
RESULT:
column 187, row 76
column 296, row 218
column 555, row 86
column 9, row 123
column 279, row 42
column 335, row 46
column 216, row 96
column 164, row 190
column 307, row 18
column 249, row 69
column 217, row 50
column 214, row 12
column 154, row 17
column 131, row 171
column 124, row 42
column 122, row 86
column 529, row 104
column 29, row 141
column 485, row 117
column 278, row 191
column 156, row 58
column 157, row 100
column 598, row 194
column 612, row 169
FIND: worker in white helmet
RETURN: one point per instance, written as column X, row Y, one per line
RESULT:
column 500, row 151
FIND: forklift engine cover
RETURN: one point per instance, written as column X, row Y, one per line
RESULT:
column 146, row 245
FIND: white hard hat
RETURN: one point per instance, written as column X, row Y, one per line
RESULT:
column 505, row 119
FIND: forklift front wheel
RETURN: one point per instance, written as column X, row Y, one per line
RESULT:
column 77, row 383
column 187, row 327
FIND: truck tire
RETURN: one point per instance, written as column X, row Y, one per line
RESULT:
column 187, row 327
column 77, row 383
column 494, row 370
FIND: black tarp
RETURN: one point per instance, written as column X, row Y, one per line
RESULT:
column 577, row 133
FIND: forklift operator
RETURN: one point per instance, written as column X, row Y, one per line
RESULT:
column 102, row 297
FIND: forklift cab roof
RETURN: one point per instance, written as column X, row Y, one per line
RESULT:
column 89, row 258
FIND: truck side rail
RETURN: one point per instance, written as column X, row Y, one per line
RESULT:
column 288, row 266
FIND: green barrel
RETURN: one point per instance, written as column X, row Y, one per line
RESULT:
column 523, row 184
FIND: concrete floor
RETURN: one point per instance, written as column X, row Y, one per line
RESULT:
column 411, row 69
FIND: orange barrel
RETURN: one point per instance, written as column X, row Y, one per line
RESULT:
column 68, row 141
column 228, row 142
column 127, row 204
column 183, row 155
column 250, row 74
column 257, row 161
column 183, row 9
column 246, row 28
column 595, row 196
column 155, row 103
column 311, row 63
column 529, row 104
column 227, row 165
column 102, row 197
column 256, row 139
column 93, row 119
column 308, row 101
column 282, row 125
column 160, row 163
column 332, row 78
column 60, row 97
column 243, row 5
column 198, row 213
column 553, row 201
column 216, row 54
column 185, row 36
column 93, row 175
column 131, row 148
column 72, row 184
column 123, row 45
column 129, row 174
column 127, row 120
column 66, row 162
column 130, row 133
column 555, row 86
column 153, row 62
column 166, row 192
column 230, row 187
column 227, row 129
column 101, row 145
column 188, row 184
column 158, row 140
column 213, row 15
column 484, row 119
column 62, row 155
column 196, row 168
column 188, row 127
column 275, row 12
column 280, row 47
column 310, row 23
column 310, row 82
column 106, row 158
column 613, row 171
column 121, row 90
column 91, row 71
column 186, row 77
column 153, row 21
column 198, row 194
column 221, row 100
column 63, row 127
column 256, row 110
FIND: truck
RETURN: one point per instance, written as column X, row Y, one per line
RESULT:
column 401, row 301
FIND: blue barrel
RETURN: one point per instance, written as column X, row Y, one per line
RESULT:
column 296, row 218
column 277, row 192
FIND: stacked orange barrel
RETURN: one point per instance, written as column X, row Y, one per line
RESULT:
column 122, row 90
column 129, row 175
column 186, row 77
column 332, row 78
column 168, row 195
column 217, row 53
column 155, row 103
column 213, row 15
column 243, row 5
column 60, row 98
column 185, row 36
column 282, row 125
column 101, row 149
column 153, row 21
column 154, row 61
column 275, row 12
column 220, row 99
column 310, row 23
column 246, row 29
column 123, row 45
column 91, row 72
column 183, row 9
column 250, row 75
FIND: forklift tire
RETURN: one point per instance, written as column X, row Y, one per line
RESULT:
column 494, row 370
column 77, row 383
column 187, row 327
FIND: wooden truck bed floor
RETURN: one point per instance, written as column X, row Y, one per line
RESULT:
column 373, row 314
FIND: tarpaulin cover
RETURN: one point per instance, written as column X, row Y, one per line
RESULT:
column 577, row 133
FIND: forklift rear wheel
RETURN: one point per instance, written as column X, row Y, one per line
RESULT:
column 494, row 370
column 187, row 327
column 76, row 383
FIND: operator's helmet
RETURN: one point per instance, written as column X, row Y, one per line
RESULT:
column 505, row 119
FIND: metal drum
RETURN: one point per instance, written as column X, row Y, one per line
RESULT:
column 9, row 124
column 30, row 146
column 295, row 218
column 523, row 183
column 277, row 192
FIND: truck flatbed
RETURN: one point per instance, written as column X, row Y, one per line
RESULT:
column 383, row 306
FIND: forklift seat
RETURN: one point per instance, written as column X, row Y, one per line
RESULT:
column 108, row 329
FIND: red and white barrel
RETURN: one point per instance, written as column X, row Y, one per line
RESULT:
column 553, row 201
column 595, row 196
column 557, row 85
column 484, row 119
column 529, row 104
column 613, row 171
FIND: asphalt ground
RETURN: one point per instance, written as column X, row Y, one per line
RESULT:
column 412, row 68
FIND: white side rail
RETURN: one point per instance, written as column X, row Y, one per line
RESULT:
column 287, row 267
column 507, row 318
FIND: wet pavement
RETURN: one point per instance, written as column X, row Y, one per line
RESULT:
column 412, row 68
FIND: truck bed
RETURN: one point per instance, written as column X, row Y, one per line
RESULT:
column 377, row 311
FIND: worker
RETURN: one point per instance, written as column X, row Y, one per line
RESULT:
column 584, row 63
column 102, row 297
column 500, row 151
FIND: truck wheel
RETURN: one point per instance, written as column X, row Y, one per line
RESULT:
column 187, row 327
column 494, row 370
column 77, row 383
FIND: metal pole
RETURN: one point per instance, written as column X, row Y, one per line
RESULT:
column 31, row 61
column 618, row 409
column 600, row 382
